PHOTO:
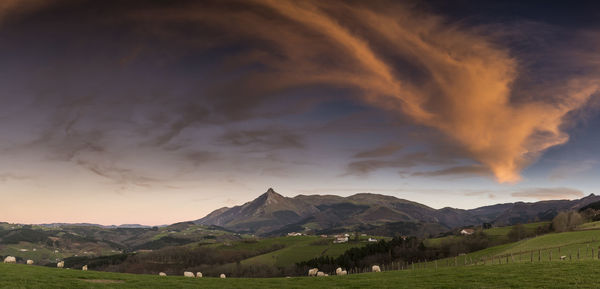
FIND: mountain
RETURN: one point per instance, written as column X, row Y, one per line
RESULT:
column 274, row 214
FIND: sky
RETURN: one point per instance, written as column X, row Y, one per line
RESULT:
column 155, row 112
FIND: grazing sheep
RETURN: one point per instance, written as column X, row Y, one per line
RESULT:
column 222, row 276
column 29, row 262
column 338, row 270
column 375, row 268
column 188, row 274
column 313, row 272
column 343, row 272
column 84, row 268
column 198, row 274
column 60, row 264
column 10, row 260
column 162, row 274
column 320, row 274
column 563, row 257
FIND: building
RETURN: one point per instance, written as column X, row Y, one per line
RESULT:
column 467, row 231
column 294, row 234
column 340, row 240
column 372, row 240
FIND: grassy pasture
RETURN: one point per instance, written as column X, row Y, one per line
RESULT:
column 580, row 274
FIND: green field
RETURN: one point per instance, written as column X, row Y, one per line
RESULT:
column 300, row 248
column 580, row 274
column 496, row 234
column 577, row 245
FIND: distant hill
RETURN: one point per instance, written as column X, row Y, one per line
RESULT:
column 273, row 214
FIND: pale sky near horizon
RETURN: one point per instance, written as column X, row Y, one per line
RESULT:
column 155, row 112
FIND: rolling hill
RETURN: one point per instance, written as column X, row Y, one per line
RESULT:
column 274, row 214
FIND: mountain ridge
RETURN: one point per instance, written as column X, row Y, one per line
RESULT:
column 272, row 212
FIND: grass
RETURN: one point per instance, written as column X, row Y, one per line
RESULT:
column 522, row 275
column 496, row 234
column 557, row 244
column 300, row 248
column 589, row 226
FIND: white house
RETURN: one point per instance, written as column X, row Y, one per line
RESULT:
column 467, row 231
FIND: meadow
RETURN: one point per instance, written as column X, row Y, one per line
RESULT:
column 580, row 274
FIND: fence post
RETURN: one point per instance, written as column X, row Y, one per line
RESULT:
column 531, row 256
column 512, row 257
column 577, row 253
column 436, row 265
column 539, row 255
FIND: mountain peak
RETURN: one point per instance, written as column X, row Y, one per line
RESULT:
column 272, row 197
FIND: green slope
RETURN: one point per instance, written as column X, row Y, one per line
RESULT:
column 538, row 275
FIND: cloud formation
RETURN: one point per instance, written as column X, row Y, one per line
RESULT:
column 439, row 74
column 548, row 193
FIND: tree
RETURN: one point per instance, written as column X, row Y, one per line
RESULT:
column 575, row 219
column 517, row 233
column 560, row 222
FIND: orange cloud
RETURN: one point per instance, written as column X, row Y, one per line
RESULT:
column 441, row 75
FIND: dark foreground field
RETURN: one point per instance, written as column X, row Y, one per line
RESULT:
column 582, row 274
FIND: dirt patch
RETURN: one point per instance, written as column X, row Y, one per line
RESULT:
column 102, row 281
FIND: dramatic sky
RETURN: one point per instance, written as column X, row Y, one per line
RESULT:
column 155, row 112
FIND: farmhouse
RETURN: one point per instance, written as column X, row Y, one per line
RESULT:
column 339, row 240
column 467, row 231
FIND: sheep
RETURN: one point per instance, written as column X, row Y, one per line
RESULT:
column 84, row 268
column 343, row 272
column 338, row 270
column 60, row 264
column 320, row 274
column 29, row 262
column 198, row 274
column 10, row 260
column 375, row 268
column 222, row 276
column 162, row 274
column 313, row 272
column 563, row 258
column 188, row 274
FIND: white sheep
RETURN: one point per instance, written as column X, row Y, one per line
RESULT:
column 29, row 262
column 10, row 260
column 338, row 270
column 188, row 274
column 60, row 264
column 320, row 274
column 222, row 276
column 343, row 272
column 375, row 268
column 162, row 274
column 198, row 274
column 563, row 257
column 313, row 272
column 84, row 268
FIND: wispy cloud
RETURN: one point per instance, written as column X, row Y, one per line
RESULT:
column 453, row 78
column 381, row 151
column 458, row 170
column 548, row 193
